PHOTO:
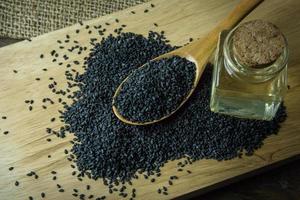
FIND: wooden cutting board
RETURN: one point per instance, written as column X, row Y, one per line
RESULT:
column 25, row 147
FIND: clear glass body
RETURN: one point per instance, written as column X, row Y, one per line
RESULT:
column 246, row 92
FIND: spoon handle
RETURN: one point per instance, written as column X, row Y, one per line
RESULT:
column 202, row 49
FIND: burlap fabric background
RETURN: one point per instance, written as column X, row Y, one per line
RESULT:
column 28, row 18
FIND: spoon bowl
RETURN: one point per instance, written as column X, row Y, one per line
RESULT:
column 167, row 55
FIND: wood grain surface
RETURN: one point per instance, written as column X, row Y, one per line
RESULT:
column 25, row 147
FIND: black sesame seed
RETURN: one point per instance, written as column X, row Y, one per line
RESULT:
column 68, row 36
column 52, row 52
column 15, row 71
column 6, row 132
column 117, row 20
column 153, row 180
column 155, row 24
column 17, row 183
column 42, row 56
column 133, row 12
column 54, row 178
column 146, row 10
column 29, row 174
column 43, row 195
column 170, row 182
column 152, row 5
column 61, row 190
column 76, row 62
column 52, row 119
column 30, row 108
column 77, row 30
column 30, row 198
column 38, row 79
column 11, row 168
column 80, row 22
column 165, row 193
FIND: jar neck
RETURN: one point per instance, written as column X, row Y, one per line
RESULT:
column 252, row 74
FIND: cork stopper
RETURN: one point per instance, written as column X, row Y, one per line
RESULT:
column 257, row 43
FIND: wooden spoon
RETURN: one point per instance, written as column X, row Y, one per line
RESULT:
column 198, row 52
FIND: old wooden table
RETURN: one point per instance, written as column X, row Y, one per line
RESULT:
column 25, row 147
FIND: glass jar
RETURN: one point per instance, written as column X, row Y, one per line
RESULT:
column 246, row 92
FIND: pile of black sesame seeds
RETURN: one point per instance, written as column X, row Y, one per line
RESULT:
column 107, row 148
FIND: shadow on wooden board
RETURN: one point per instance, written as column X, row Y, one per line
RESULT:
column 206, row 193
